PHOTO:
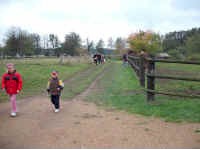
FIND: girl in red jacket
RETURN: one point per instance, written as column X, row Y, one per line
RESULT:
column 11, row 83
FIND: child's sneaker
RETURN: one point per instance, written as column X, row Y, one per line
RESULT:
column 13, row 114
column 56, row 110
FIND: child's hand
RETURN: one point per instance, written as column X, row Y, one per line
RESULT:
column 58, row 89
column 3, row 89
column 18, row 91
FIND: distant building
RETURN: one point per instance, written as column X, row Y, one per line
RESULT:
column 93, row 51
column 107, row 51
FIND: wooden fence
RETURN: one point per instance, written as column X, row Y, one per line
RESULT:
column 139, row 63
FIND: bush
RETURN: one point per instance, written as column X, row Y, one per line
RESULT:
column 194, row 57
column 176, row 54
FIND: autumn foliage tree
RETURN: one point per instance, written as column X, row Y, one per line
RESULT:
column 145, row 41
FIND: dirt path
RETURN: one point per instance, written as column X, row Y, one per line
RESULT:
column 81, row 124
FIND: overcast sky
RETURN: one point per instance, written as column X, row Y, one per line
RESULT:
column 97, row 19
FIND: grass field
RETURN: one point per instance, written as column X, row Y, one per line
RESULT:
column 119, row 88
column 36, row 72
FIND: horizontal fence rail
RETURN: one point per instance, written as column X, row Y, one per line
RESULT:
column 173, row 94
column 145, row 69
column 134, row 57
column 134, row 65
column 172, row 77
column 138, row 64
column 173, row 61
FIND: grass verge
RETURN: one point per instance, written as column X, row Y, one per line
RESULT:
column 119, row 88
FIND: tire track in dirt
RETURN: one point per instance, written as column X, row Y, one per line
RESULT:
column 92, row 85
column 34, row 113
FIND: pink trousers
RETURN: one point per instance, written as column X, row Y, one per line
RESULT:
column 13, row 102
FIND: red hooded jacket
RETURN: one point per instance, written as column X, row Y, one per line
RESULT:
column 12, row 82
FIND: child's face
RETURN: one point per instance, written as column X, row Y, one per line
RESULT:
column 54, row 75
column 10, row 69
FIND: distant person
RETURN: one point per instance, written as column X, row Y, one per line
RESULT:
column 99, row 58
column 103, row 60
column 95, row 58
column 12, row 83
column 125, row 59
column 54, row 88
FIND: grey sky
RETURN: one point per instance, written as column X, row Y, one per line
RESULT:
column 97, row 19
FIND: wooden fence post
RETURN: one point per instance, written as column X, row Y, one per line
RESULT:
column 142, row 71
column 135, row 62
column 151, row 80
column 138, row 64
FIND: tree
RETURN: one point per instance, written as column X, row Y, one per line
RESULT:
column 27, row 45
column 177, row 40
column 120, row 44
column 192, row 45
column 45, row 40
column 11, row 42
column 90, row 45
column 54, row 44
column 72, row 43
column 145, row 41
column 100, row 44
column 1, row 51
column 36, row 43
column 110, row 42
column 173, row 40
column 19, row 42
column 53, row 39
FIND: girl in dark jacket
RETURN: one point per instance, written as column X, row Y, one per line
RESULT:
column 12, row 83
column 54, row 88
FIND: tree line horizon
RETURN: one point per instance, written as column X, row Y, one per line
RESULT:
column 179, row 44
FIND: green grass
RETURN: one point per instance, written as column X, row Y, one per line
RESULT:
column 36, row 72
column 120, row 89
